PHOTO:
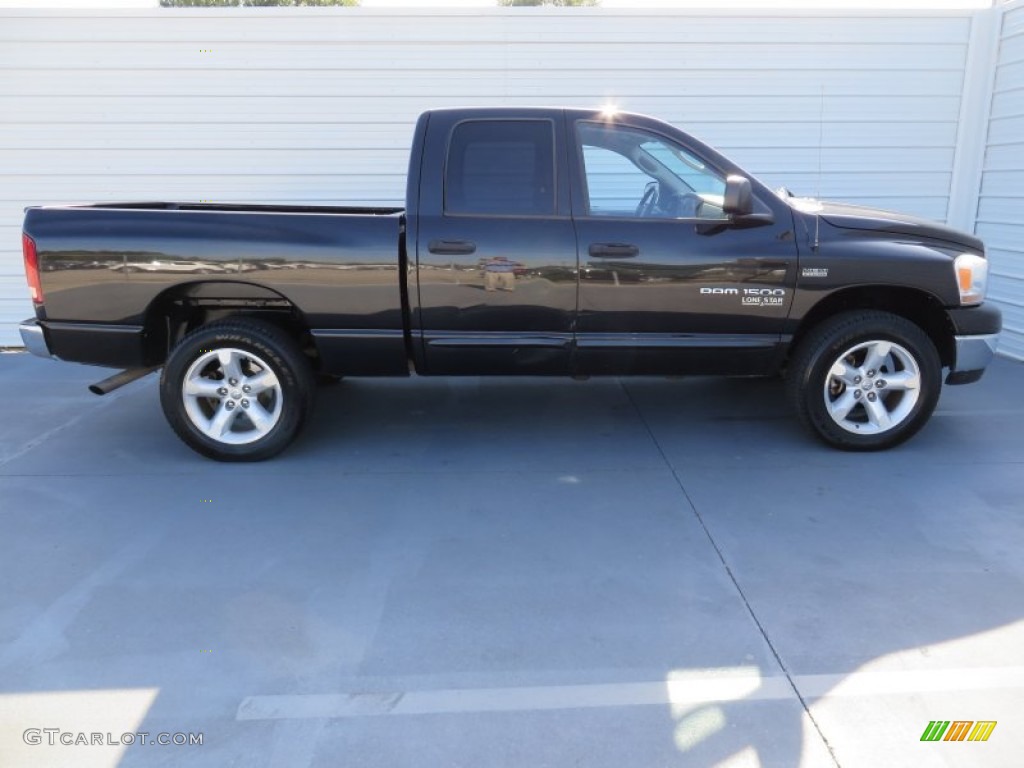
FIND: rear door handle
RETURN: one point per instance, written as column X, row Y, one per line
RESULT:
column 613, row 251
column 452, row 247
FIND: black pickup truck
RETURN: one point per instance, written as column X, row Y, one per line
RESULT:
column 533, row 241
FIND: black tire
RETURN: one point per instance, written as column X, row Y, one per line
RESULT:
column 852, row 342
column 258, row 422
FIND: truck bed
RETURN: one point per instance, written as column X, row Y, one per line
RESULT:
column 106, row 268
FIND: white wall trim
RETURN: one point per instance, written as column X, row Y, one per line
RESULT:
column 975, row 110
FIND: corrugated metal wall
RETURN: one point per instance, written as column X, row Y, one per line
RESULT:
column 318, row 104
column 1000, row 219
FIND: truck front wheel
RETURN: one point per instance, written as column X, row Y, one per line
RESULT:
column 865, row 380
column 237, row 390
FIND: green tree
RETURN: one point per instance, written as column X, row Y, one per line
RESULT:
column 557, row 3
column 249, row 3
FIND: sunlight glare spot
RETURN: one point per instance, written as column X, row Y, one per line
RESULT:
column 745, row 758
column 687, row 687
column 694, row 728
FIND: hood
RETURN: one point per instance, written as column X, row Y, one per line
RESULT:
column 875, row 220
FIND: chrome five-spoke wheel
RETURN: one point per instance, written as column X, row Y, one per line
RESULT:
column 872, row 387
column 232, row 396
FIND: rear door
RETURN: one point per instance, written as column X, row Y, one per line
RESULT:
column 495, row 247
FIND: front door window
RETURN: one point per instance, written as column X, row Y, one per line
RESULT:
column 636, row 174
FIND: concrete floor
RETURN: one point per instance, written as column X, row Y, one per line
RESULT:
column 510, row 573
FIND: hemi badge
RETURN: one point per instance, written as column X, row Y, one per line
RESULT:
column 814, row 272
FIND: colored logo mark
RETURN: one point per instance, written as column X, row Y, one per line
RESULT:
column 958, row 730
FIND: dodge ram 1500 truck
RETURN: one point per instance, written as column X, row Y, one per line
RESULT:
column 538, row 241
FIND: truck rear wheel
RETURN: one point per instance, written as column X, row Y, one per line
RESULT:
column 865, row 380
column 237, row 390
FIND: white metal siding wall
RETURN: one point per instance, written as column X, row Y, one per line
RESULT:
column 1001, row 202
column 318, row 104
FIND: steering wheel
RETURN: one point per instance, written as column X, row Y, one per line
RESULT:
column 649, row 201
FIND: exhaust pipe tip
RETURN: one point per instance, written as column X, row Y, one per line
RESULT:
column 118, row 380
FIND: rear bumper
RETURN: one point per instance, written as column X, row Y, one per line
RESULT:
column 976, row 336
column 34, row 339
column 114, row 346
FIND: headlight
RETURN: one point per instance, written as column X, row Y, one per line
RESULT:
column 971, row 277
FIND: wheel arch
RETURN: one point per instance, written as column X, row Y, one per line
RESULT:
column 919, row 307
column 182, row 308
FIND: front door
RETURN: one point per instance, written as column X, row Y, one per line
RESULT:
column 667, row 283
column 495, row 245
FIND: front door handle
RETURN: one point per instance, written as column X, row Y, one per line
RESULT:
column 452, row 247
column 613, row 251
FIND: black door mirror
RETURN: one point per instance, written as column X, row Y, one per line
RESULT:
column 738, row 199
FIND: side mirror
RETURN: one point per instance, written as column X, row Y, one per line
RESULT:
column 738, row 199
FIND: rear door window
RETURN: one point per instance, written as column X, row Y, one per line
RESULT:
column 501, row 168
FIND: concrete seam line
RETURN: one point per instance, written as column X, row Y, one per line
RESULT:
column 732, row 576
